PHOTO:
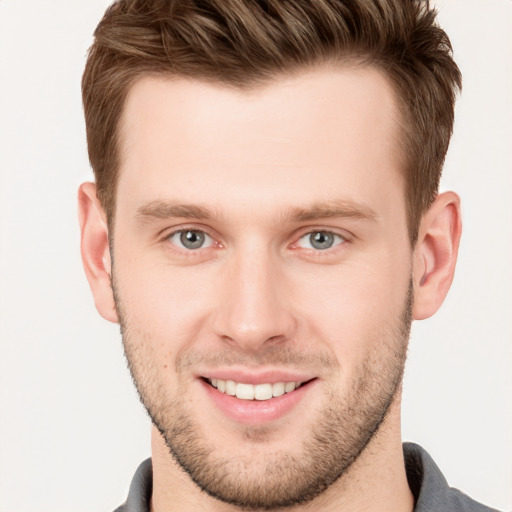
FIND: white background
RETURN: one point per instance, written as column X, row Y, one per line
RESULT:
column 71, row 429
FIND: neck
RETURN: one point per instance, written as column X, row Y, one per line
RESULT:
column 376, row 481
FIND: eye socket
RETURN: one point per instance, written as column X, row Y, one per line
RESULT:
column 320, row 240
column 191, row 239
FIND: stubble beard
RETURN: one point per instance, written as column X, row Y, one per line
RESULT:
column 343, row 427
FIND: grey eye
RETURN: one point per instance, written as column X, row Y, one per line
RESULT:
column 191, row 239
column 320, row 240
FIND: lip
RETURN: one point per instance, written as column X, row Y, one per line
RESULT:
column 267, row 376
column 257, row 412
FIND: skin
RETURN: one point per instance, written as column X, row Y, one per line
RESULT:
column 311, row 153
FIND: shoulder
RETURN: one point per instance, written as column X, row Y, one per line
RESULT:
column 430, row 488
column 141, row 487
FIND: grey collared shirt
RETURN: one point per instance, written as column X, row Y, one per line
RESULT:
column 428, row 485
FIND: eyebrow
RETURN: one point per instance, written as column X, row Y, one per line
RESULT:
column 339, row 208
column 168, row 210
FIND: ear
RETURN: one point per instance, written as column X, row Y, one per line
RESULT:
column 435, row 254
column 95, row 250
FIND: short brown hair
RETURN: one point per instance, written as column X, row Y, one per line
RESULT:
column 243, row 43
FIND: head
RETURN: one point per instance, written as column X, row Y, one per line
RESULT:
column 266, row 213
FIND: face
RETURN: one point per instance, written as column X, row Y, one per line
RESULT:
column 261, row 268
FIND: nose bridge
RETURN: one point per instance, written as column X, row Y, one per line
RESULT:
column 253, row 309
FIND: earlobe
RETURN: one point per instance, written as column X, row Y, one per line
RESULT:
column 435, row 254
column 95, row 250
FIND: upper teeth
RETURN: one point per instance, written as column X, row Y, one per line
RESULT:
column 253, row 392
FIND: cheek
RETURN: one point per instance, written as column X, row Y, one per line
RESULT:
column 352, row 308
column 165, row 305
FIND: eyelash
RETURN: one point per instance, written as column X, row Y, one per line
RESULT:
column 342, row 239
column 168, row 238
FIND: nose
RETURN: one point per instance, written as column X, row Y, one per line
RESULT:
column 255, row 303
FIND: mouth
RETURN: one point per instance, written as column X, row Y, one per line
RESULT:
column 257, row 399
column 264, row 391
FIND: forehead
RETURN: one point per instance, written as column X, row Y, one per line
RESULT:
column 319, row 131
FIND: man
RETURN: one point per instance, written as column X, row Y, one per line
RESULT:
column 264, row 226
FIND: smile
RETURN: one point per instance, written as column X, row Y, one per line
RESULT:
column 257, row 399
column 254, row 392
